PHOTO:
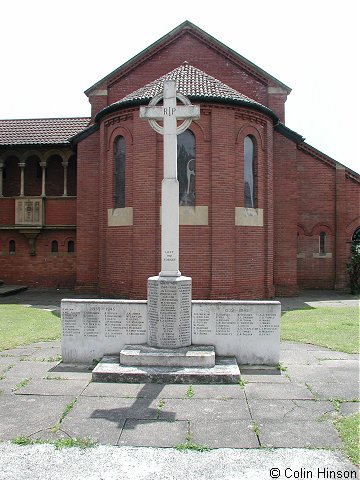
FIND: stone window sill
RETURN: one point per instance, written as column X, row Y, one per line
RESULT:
column 322, row 255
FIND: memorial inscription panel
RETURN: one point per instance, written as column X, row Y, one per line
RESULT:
column 248, row 330
column 169, row 312
column 92, row 328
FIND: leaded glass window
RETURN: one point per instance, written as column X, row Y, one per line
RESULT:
column 322, row 243
column 120, row 154
column 186, row 154
column 249, row 168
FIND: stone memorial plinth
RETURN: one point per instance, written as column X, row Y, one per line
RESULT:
column 169, row 312
column 143, row 355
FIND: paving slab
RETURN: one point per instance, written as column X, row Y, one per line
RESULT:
column 108, row 409
column 342, row 364
column 264, row 378
column 303, row 434
column 345, row 391
column 46, row 354
column 343, row 377
column 289, row 391
column 102, row 419
column 123, row 390
column 98, row 431
column 49, row 435
column 19, row 351
column 153, row 433
column 31, row 369
column 152, row 390
column 5, row 369
column 25, row 415
column 53, row 387
column 68, row 375
column 9, row 359
column 300, row 357
column 333, row 355
column 349, row 408
column 8, row 385
column 287, row 345
column 309, row 373
column 224, row 434
column 281, row 410
column 220, row 392
column 208, row 409
column 72, row 371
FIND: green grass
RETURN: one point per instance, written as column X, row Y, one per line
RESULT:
column 55, row 428
column 190, row 392
column 243, row 382
column 184, row 447
column 21, row 325
column 21, row 384
column 189, row 445
column 348, row 429
column 336, row 328
column 60, row 443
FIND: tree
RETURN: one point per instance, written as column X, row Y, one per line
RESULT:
column 353, row 269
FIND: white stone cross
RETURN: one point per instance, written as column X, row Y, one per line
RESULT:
column 170, row 113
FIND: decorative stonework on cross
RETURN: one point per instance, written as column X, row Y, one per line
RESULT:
column 170, row 113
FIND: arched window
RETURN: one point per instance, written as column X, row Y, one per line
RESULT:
column 54, row 246
column 322, row 243
column 186, row 157
column 249, row 173
column 12, row 247
column 120, row 154
column 71, row 246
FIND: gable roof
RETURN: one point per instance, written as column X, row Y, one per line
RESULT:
column 188, row 27
column 195, row 84
column 41, row 131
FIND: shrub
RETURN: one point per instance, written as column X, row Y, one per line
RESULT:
column 353, row 269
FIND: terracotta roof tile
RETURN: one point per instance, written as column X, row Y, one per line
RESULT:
column 41, row 131
column 193, row 83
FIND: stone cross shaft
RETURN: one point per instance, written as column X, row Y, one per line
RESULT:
column 169, row 113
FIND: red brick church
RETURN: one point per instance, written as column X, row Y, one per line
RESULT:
column 261, row 211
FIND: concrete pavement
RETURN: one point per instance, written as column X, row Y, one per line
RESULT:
column 271, row 408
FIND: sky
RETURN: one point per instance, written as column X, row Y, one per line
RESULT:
column 51, row 51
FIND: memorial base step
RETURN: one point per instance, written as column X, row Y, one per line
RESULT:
column 225, row 371
column 144, row 355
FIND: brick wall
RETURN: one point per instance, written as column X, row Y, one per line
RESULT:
column 316, row 214
column 285, row 216
column 224, row 261
column 60, row 211
column 45, row 269
column 88, row 194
